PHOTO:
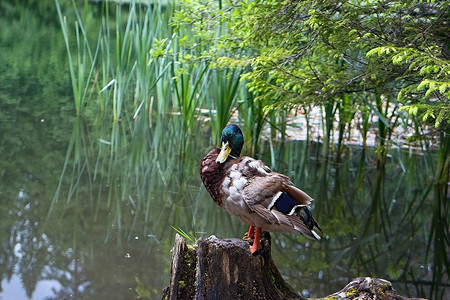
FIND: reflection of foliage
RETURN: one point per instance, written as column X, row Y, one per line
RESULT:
column 33, row 71
column 379, row 228
column 139, row 189
column 32, row 95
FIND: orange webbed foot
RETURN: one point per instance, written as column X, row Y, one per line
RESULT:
column 250, row 234
column 255, row 247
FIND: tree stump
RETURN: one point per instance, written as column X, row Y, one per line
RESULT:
column 225, row 269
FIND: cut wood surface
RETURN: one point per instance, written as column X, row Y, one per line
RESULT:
column 225, row 269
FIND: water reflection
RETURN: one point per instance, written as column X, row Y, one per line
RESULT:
column 97, row 223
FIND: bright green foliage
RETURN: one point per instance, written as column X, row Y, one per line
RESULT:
column 300, row 53
column 428, row 89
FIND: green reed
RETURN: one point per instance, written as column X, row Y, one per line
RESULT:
column 120, row 75
column 253, row 117
column 223, row 92
column 328, row 115
column 188, row 91
column 346, row 107
column 81, row 66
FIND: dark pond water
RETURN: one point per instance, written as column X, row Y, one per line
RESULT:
column 89, row 207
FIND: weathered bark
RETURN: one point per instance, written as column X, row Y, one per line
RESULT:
column 225, row 269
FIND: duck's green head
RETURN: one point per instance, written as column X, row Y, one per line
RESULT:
column 231, row 142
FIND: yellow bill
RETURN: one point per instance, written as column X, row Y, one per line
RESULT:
column 224, row 152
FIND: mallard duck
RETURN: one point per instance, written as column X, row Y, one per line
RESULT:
column 249, row 190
